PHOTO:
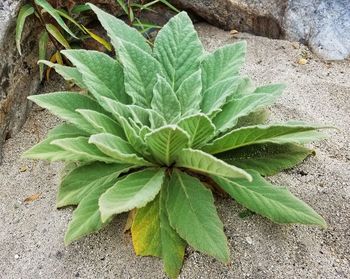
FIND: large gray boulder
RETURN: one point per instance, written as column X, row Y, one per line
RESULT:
column 18, row 74
column 324, row 25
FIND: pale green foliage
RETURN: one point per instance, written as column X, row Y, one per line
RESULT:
column 159, row 129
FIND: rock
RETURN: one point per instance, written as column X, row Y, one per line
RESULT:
column 18, row 74
column 323, row 25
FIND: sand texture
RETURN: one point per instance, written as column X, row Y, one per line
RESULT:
column 31, row 233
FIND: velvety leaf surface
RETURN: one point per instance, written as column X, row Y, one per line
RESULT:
column 164, row 143
column 102, row 122
column 215, row 96
column 274, row 133
column 80, row 147
column 134, row 191
column 200, row 161
column 243, row 106
column 267, row 159
column 64, row 105
column 222, row 64
column 44, row 150
column 273, row 202
column 191, row 211
column 86, row 217
column 165, row 101
column 178, row 48
column 118, row 31
column 199, row 127
column 82, row 180
column 117, row 148
column 140, row 73
column 68, row 73
column 102, row 74
column 189, row 94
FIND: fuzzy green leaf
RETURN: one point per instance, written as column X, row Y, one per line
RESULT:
column 277, row 133
column 243, row 106
column 134, row 191
column 44, row 150
column 189, row 94
column 273, row 202
column 165, row 101
column 222, row 64
column 267, row 159
column 68, row 73
column 102, row 122
column 215, row 96
column 102, row 74
column 140, row 73
column 200, row 161
column 117, row 148
column 64, row 105
column 84, row 179
column 86, row 217
column 83, row 149
column 199, row 127
column 178, row 48
column 118, row 31
column 192, row 213
column 165, row 142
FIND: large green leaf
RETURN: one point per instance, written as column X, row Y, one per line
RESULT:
column 267, row 159
column 189, row 94
column 200, row 161
column 165, row 142
column 68, row 73
column 140, row 73
column 102, row 74
column 86, row 217
column 25, row 11
column 118, row 31
column 273, row 202
column 243, row 106
column 165, row 101
column 64, row 104
column 82, row 180
column 83, row 149
column 199, row 127
column 191, row 211
column 44, row 150
column 55, row 14
column 274, row 133
column 152, row 235
column 102, row 122
column 134, row 191
column 215, row 96
column 222, row 64
column 117, row 148
column 178, row 48
column 42, row 47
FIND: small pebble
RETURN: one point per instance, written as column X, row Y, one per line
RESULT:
column 16, row 256
column 249, row 240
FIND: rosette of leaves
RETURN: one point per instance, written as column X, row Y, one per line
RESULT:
column 158, row 131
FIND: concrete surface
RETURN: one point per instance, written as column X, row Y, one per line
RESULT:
column 31, row 233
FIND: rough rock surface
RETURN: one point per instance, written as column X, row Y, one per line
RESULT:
column 31, row 234
column 18, row 74
column 324, row 25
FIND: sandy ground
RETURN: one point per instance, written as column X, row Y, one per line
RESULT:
column 31, row 233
